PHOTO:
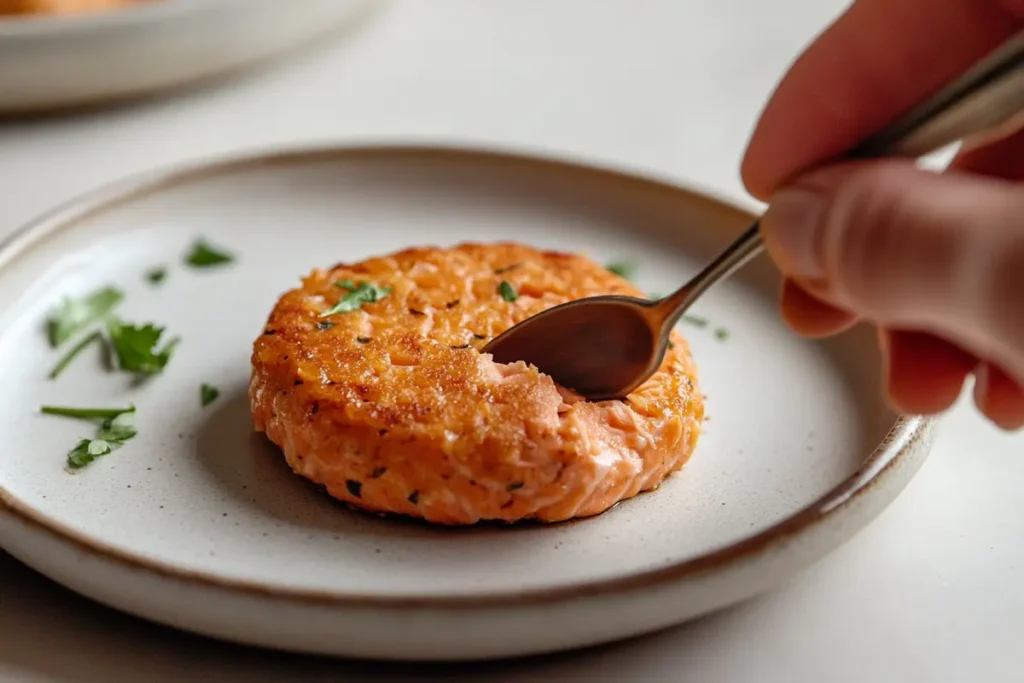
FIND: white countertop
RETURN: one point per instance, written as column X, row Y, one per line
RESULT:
column 932, row 591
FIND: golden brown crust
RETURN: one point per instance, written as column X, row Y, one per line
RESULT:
column 393, row 408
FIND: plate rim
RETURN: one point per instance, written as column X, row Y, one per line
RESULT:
column 27, row 25
column 901, row 441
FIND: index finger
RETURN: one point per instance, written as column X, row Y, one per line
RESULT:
column 877, row 60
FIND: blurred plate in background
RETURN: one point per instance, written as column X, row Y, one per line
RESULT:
column 53, row 62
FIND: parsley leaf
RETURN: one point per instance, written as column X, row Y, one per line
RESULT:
column 507, row 291
column 85, row 451
column 721, row 334
column 112, row 434
column 73, row 353
column 117, row 426
column 626, row 269
column 118, row 429
column 695, row 320
column 73, row 315
column 363, row 293
column 136, row 347
column 204, row 255
column 156, row 275
column 208, row 394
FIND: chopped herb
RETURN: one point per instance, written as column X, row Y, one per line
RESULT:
column 73, row 315
column 87, row 413
column 671, row 345
column 118, row 429
column 204, row 255
column 721, row 334
column 696, row 321
column 354, row 487
column 363, row 293
column 136, row 347
column 117, row 426
column 507, row 291
column 515, row 486
column 208, row 394
column 156, row 275
column 501, row 271
column 85, row 451
column 325, row 325
column 73, row 353
column 626, row 269
column 98, row 447
column 364, row 340
column 112, row 436
column 414, row 497
column 378, row 472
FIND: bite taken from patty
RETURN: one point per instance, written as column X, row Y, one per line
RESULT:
column 370, row 379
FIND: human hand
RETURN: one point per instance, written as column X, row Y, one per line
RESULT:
column 935, row 261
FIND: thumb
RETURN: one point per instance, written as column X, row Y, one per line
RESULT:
column 906, row 248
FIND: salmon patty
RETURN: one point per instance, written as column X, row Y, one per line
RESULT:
column 370, row 379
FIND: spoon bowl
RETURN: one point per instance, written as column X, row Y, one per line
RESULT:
column 604, row 347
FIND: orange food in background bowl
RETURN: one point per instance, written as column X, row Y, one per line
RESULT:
column 61, row 6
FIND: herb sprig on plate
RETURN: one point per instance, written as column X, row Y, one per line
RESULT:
column 95, row 338
column 208, row 394
column 156, row 276
column 72, row 316
column 135, row 349
column 134, row 346
column 116, row 426
column 204, row 255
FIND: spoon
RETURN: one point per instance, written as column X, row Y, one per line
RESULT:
column 604, row 347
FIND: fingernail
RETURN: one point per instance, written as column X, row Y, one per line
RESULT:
column 790, row 227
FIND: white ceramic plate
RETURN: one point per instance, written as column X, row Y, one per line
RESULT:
column 198, row 523
column 57, row 62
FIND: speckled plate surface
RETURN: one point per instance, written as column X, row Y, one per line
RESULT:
column 199, row 524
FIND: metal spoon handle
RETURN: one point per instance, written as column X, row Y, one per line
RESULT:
column 987, row 98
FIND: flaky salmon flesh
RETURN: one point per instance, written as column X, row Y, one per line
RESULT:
column 389, row 404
